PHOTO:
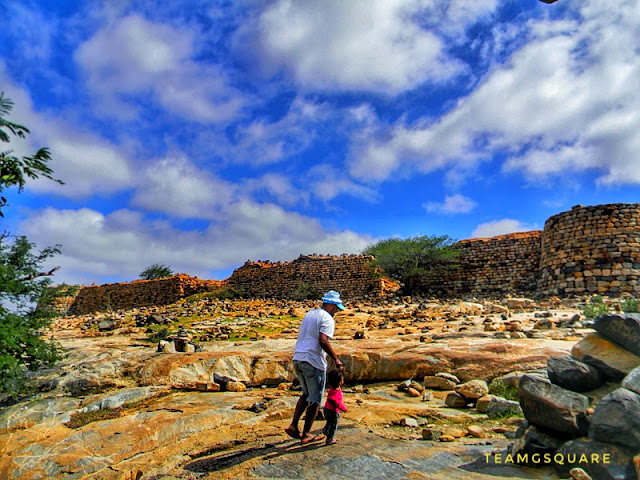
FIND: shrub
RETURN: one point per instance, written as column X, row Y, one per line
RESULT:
column 595, row 308
column 158, row 334
column 415, row 261
column 305, row 291
column 629, row 305
column 157, row 270
column 501, row 389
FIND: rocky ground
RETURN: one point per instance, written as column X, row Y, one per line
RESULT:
column 116, row 408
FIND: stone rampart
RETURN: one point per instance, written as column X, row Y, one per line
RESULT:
column 592, row 250
column 492, row 267
column 351, row 275
column 586, row 250
column 139, row 293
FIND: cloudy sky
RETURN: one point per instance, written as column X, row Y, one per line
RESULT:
column 201, row 134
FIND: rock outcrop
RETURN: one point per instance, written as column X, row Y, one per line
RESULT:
column 597, row 430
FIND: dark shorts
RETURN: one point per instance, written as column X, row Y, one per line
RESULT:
column 311, row 380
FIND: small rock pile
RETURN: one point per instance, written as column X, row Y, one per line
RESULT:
column 586, row 412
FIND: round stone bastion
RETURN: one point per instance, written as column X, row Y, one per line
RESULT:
column 592, row 250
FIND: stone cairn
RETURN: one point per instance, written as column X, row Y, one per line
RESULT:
column 569, row 423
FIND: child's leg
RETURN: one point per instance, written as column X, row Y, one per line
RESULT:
column 332, row 424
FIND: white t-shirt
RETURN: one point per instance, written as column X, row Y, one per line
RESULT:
column 308, row 347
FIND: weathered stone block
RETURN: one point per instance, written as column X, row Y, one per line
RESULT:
column 572, row 374
column 602, row 461
column 616, row 419
column 623, row 329
column 612, row 360
column 553, row 407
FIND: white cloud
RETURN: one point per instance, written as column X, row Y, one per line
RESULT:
column 121, row 244
column 278, row 186
column 85, row 162
column 372, row 45
column 565, row 102
column 452, row 204
column 132, row 55
column 327, row 182
column 500, row 227
column 264, row 142
column 175, row 186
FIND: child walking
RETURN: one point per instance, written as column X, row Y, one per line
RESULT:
column 333, row 406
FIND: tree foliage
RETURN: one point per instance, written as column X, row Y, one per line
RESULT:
column 22, row 280
column 21, row 324
column 14, row 171
column 415, row 261
column 157, row 270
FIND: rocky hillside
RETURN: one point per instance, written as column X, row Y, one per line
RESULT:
column 204, row 388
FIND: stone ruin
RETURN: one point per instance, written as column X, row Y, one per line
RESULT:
column 584, row 251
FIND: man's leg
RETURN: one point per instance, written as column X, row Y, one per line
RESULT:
column 297, row 413
column 312, row 411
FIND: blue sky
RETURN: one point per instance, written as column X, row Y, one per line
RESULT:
column 201, row 134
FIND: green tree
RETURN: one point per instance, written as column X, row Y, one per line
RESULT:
column 14, row 171
column 157, row 270
column 22, row 282
column 415, row 261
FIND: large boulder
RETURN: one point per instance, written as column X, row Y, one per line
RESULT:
column 572, row 374
column 612, row 360
column 602, row 461
column 632, row 380
column 624, row 329
column 616, row 419
column 553, row 407
column 532, row 440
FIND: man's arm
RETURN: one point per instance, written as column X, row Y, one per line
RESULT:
column 326, row 346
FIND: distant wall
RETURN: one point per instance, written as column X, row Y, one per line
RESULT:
column 586, row 250
column 592, row 250
column 507, row 264
column 351, row 275
column 139, row 293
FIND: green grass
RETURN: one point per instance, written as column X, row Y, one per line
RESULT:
column 503, row 390
column 81, row 419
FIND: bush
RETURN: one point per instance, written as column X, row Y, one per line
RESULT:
column 595, row 308
column 305, row 291
column 501, row 389
column 157, row 270
column 629, row 305
column 21, row 344
column 226, row 293
column 415, row 261
column 158, row 334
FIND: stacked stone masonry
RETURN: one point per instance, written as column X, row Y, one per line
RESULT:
column 351, row 275
column 507, row 264
column 592, row 250
column 587, row 250
column 139, row 293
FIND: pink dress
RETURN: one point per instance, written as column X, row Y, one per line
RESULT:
column 334, row 400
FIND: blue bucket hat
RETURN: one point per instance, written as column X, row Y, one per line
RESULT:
column 333, row 297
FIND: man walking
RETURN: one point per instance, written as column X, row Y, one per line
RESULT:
column 310, row 363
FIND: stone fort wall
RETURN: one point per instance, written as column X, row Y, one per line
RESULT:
column 587, row 250
column 139, row 293
column 492, row 267
column 351, row 275
column 592, row 250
